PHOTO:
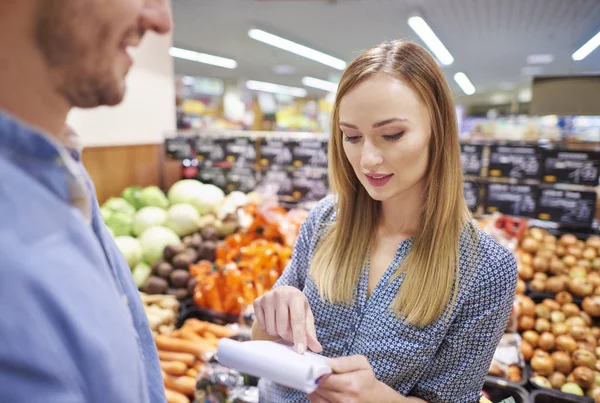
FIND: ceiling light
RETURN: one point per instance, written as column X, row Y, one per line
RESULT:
column 276, row 88
column 427, row 35
column 542, row 58
column 464, row 83
column 284, row 69
column 587, row 48
column 320, row 84
column 203, row 58
column 296, row 48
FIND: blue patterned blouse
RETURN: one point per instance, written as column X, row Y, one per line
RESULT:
column 446, row 361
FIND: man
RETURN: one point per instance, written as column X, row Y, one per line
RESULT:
column 72, row 327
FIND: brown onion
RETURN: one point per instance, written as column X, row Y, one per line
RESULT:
column 593, row 242
column 581, row 287
column 584, row 345
column 530, row 245
column 577, row 272
column 521, row 287
column 561, row 251
column 591, row 340
column 584, row 358
column 586, row 264
column 597, row 290
column 551, row 304
column 540, row 264
column 526, row 323
column 557, row 317
column 578, row 332
column 549, row 238
column 546, row 341
column 526, row 350
column 542, row 365
column 525, row 258
column 545, row 254
column 586, row 318
column 557, row 380
column 594, row 278
column 575, row 251
column 531, row 337
column 525, row 272
column 584, row 377
column 596, row 331
column 568, row 240
column 557, row 267
column 570, row 310
column 569, row 260
column 596, row 263
column 566, row 343
column 591, row 305
column 559, row 328
column 589, row 253
column 526, row 306
column 540, row 276
column 564, row 298
column 537, row 233
column 562, row 362
column 542, row 325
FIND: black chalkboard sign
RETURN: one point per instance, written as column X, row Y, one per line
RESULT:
column 515, row 162
column 241, row 178
column 309, row 152
column 214, row 176
column 471, row 157
column 277, row 181
column 211, row 151
column 516, row 200
column 574, row 208
column 472, row 194
column 309, row 183
column 573, row 167
column 240, row 151
column 180, row 148
column 275, row 151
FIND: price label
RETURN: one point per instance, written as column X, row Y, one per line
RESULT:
column 573, row 208
column 516, row 200
column 214, row 176
column 515, row 162
column 240, row 152
column 309, row 152
column 211, row 151
column 241, row 178
column 179, row 148
column 278, row 181
column 573, row 167
column 309, row 184
column 275, row 152
column 471, row 157
column 472, row 194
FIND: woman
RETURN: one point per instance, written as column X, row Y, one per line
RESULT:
column 389, row 277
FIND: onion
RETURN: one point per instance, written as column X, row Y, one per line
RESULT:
column 596, row 263
column 545, row 254
column 551, row 304
column 542, row 325
column 542, row 365
column 526, row 258
column 591, row 305
column 526, row 323
column 578, row 332
column 581, row 287
column 564, row 298
column 549, row 238
column 546, row 341
column 521, row 287
column 589, row 253
column 594, row 392
column 591, row 340
column 593, row 242
column 575, row 251
column 570, row 310
column 597, row 290
column 596, row 331
column 594, row 278
column 575, row 321
column 557, row 317
column 538, row 285
column 526, row 350
column 537, row 233
column 531, row 337
column 541, row 381
column 542, row 311
column 586, row 318
column 540, row 276
column 577, row 272
column 562, row 362
column 569, row 260
column 586, row 264
column 584, row 345
column 568, row 240
column 557, row 267
column 530, row 245
column 584, row 358
column 566, row 343
column 561, row 251
column 548, row 246
column 526, row 306
column 557, row 380
column 559, row 328
column 571, row 387
column 525, row 272
column 584, row 377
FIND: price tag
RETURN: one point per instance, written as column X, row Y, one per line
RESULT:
column 515, row 162
column 472, row 194
column 214, row 176
column 179, row 148
column 573, row 167
column 309, row 184
column 241, row 178
column 276, row 152
column 309, row 152
column 516, row 200
column 471, row 157
column 240, row 152
column 279, row 181
column 573, row 208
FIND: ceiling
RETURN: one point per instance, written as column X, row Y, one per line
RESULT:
column 489, row 39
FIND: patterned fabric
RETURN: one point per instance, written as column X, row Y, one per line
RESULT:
column 447, row 361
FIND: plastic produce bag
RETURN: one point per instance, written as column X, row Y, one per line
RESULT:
column 217, row 383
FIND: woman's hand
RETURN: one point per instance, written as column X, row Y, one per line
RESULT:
column 284, row 312
column 352, row 381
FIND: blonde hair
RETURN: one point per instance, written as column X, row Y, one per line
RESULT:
column 431, row 267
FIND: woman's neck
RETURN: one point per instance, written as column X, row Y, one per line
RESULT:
column 401, row 215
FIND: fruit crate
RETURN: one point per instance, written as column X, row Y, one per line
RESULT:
column 499, row 389
column 525, row 375
column 555, row 396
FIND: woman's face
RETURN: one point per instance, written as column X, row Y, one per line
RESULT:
column 386, row 131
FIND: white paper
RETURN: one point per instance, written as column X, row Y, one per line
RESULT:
column 274, row 361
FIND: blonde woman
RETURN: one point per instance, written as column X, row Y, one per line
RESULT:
column 389, row 277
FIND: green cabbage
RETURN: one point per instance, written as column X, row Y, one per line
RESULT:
column 153, row 196
column 184, row 219
column 117, row 204
column 205, row 198
column 132, row 195
column 130, row 248
column 120, row 223
column 141, row 272
column 148, row 217
column 154, row 240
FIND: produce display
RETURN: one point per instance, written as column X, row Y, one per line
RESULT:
column 162, row 312
column 183, row 354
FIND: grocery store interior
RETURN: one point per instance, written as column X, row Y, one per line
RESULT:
column 219, row 151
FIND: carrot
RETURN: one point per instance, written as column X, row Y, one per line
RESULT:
column 174, row 367
column 219, row 331
column 197, row 325
column 167, row 343
column 175, row 397
column 192, row 372
column 187, row 359
column 181, row 384
column 187, row 333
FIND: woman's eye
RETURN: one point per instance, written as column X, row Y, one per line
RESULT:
column 393, row 137
column 352, row 139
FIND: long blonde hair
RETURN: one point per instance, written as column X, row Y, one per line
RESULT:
column 431, row 267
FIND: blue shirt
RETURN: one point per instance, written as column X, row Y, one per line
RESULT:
column 72, row 326
column 446, row 361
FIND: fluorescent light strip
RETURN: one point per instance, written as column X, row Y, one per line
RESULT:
column 464, row 83
column 434, row 44
column 320, row 84
column 587, row 48
column 276, row 88
column 296, row 48
column 203, row 58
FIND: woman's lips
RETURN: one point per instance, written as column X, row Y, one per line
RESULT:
column 378, row 180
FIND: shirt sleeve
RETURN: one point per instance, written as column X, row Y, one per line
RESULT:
column 461, row 363
column 294, row 275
